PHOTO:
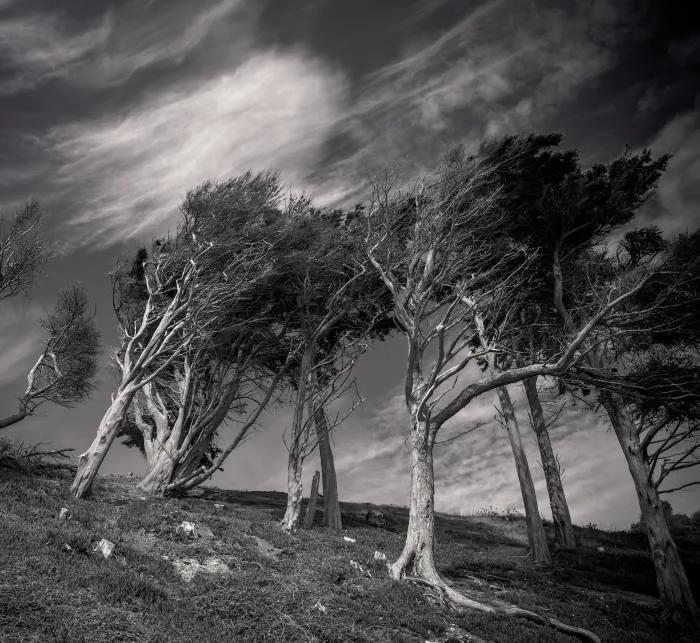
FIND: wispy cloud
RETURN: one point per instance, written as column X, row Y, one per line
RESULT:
column 42, row 46
column 675, row 208
column 130, row 172
column 500, row 68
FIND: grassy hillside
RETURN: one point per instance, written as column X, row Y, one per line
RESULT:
column 257, row 583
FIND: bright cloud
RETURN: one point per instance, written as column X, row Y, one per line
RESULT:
column 131, row 171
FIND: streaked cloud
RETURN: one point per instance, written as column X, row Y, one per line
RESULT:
column 131, row 171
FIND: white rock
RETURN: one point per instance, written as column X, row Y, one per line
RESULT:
column 188, row 568
column 319, row 607
column 600, row 548
column 218, row 507
column 64, row 514
column 67, row 547
column 105, row 547
column 188, row 529
column 347, row 539
column 378, row 555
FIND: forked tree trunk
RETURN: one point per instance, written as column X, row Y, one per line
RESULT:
column 671, row 579
column 294, row 490
column 159, row 474
column 537, row 539
column 89, row 462
column 313, row 500
column 561, row 518
column 331, row 504
column 418, row 555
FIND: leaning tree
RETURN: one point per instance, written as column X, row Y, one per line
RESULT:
column 64, row 372
column 441, row 253
column 335, row 305
column 568, row 213
column 193, row 282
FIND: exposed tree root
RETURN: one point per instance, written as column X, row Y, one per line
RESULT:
column 445, row 595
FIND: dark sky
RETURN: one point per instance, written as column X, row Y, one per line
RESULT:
column 111, row 110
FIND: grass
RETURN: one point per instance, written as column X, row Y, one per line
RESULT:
column 301, row 587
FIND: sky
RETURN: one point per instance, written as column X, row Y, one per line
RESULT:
column 111, row 110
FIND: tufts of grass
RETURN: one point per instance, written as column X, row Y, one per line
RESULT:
column 282, row 587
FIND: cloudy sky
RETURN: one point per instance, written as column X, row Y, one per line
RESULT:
column 110, row 110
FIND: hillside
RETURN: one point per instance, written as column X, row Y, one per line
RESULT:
column 240, row 578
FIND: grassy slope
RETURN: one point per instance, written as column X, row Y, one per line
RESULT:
column 50, row 593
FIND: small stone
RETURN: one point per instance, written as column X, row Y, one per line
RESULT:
column 347, row 539
column 378, row 555
column 218, row 507
column 319, row 607
column 600, row 548
column 105, row 547
column 187, row 529
column 64, row 514
column 67, row 547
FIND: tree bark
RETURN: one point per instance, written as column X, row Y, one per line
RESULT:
column 294, row 490
column 313, row 499
column 418, row 555
column 89, row 462
column 671, row 579
column 561, row 518
column 13, row 419
column 539, row 551
column 159, row 474
column 331, row 504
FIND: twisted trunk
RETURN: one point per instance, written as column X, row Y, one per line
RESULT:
column 292, row 514
column 159, row 474
column 671, row 579
column 561, row 518
column 537, row 539
column 331, row 504
column 89, row 462
column 418, row 555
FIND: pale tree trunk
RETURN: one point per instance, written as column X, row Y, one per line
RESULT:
column 671, row 580
column 418, row 555
column 90, row 461
column 331, row 505
column 294, row 490
column 313, row 500
column 561, row 518
column 297, row 444
column 539, row 551
column 159, row 474
column 12, row 419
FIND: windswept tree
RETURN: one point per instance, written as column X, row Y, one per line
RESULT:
column 567, row 213
column 561, row 517
column 335, row 304
column 23, row 252
column 443, row 254
column 196, row 285
column 65, row 370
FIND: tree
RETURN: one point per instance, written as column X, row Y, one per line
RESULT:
column 23, row 253
column 335, row 303
column 561, row 518
column 64, row 372
column 443, row 254
column 567, row 213
column 193, row 284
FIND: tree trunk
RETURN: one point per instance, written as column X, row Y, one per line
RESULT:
column 313, row 499
column 671, row 580
column 418, row 555
column 561, row 518
column 539, row 551
column 12, row 419
column 294, row 491
column 160, row 472
column 89, row 462
column 331, row 505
